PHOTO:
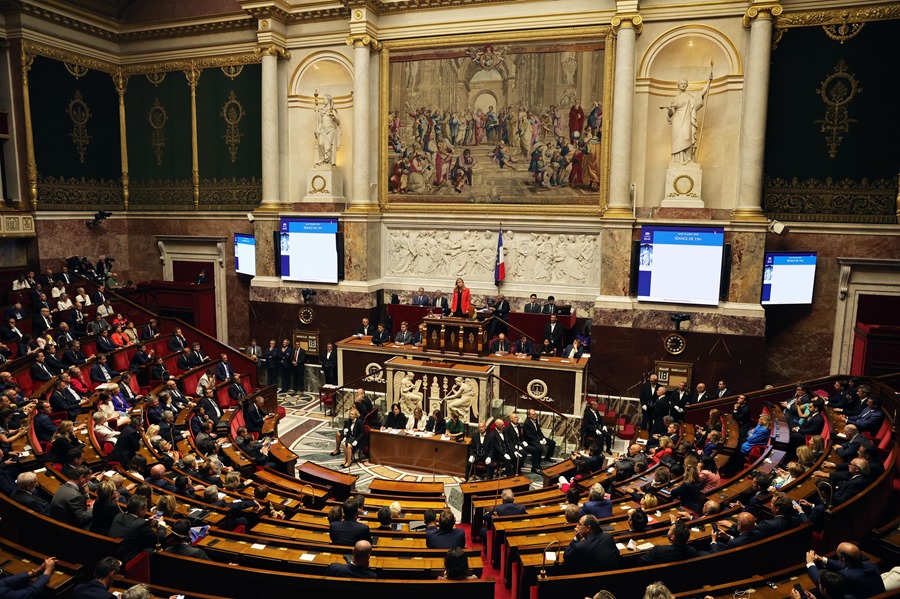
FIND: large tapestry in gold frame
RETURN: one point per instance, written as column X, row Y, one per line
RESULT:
column 430, row 88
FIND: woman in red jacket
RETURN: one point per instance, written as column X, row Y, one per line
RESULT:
column 460, row 303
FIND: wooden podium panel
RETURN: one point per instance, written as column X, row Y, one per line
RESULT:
column 460, row 336
column 418, row 453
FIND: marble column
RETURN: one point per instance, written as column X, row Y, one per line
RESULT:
column 755, row 104
column 626, row 28
column 271, row 185
column 362, row 195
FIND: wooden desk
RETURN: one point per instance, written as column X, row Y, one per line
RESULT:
column 342, row 484
column 565, row 378
column 410, row 314
column 423, row 454
column 399, row 488
column 488, row 488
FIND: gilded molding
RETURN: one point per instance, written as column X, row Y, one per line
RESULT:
column 121, row 82
column 193, row 78
column 762, row 11
column 271, row 50
column 860, row 14
column 846, row 200
column 39, row 49
column 31, row 172
column 628, row 21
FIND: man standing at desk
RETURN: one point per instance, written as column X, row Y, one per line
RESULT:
column 554, row 332
column 533, row 306
column 500, row 311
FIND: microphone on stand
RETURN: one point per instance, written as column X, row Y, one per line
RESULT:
column 433, row 460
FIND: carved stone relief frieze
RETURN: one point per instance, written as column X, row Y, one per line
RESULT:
column 530, row 257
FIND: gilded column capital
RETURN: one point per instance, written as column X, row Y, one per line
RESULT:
column 272, row 50
column 364, row 39
column 627, row 21
column 765, row 10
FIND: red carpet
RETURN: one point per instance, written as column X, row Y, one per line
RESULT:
column 500, row 591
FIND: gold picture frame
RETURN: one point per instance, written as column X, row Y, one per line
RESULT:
column 482, row 50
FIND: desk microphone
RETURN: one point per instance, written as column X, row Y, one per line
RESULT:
column 433, row 460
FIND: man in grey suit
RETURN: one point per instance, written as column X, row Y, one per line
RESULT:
column 533, row 306
column 69, row 504
column 24, row 494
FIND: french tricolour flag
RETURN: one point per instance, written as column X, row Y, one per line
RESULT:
column 500, row 268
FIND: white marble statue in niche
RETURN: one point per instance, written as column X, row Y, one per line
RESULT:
column 682, row 115
column 328, row 132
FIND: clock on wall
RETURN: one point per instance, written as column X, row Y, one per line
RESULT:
column 674, row 344
column 306, row 315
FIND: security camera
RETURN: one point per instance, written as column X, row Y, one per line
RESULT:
column 777, row 227
column 678, row 318
column 250, row 217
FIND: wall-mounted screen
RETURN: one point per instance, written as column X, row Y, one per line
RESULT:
column 788, row 278
column 245, row 254
column 309, row 249
column 680, row 264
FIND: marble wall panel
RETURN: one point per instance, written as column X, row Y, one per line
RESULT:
column 615, row 261
column 799, row 338
column 747, row 257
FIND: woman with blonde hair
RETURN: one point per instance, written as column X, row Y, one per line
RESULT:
column 805, row 457
column 817, row 444
column 665, row 449
column 166, row 505
column 417, row 420
column 232, row 481
column 758, row 435
column 62, row 441
column 352, row 436
column 461, row 301
column 657, row 590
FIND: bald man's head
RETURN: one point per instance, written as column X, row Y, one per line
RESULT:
column 849, row 553
column 361, row 553
column 746, row 522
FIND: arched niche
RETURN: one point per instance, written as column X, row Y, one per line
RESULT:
column 685, row 52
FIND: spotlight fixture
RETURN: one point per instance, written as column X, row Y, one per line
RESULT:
column 777, row 227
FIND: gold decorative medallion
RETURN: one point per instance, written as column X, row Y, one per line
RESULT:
column 76, row 70
column 306, row 315
column 80, row 114
column 837, row 91
column 674, row 344
column 683, row 184
column 232, row 70
column 158, row 118
column 156, row 78
column 232, row 112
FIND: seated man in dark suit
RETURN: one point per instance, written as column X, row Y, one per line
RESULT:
column 177, row 342
column 523, row 346
column 62, row 400
column 841, row 472
column 785, row 517
column 105, row 345
column 358, row 567
column 501, row 345
column 158, row 479
column 533, row 306
column 26, row 483
column 678, row 549
column 14, row 312
column 348, row 531
column 446, row 536
column 255, row 416
column 861, row 577
column 42, row 321
column 381, row 336
column 184, row 360
column 180, row 541
column 10, row 331
column 150, row 331
column 19, row 586
column 44, row 428
column 69, row 504
column 73, row 356
column 592, row 550
column 78, row 320
column 100, row 372
column 224, row 371
column 870, row 417
column 104, row 574
column 745, row 533
column 859, row 480
column 236, row 390
column 134, row 530
column 39, row 370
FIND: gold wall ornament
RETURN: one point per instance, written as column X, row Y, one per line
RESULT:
column 271, row 50
column 79, row 113
column 156, row 78
column 158, row 117
column 31, row 172
column 76, row 70
column 768, row 10
column 837, row 91
column 627, row 21
column 232, row 71
column 232, row 112
column 120, row 80
column 843, row 31
column 192, row 73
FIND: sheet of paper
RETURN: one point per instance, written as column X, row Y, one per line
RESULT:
column 550, row 556
column 257, row 546
column 645, row 546
column 620, row 546
column 307, row 557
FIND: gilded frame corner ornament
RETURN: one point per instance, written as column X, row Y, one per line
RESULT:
column 232, row 112
column 821, row 18
column 581, row 34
